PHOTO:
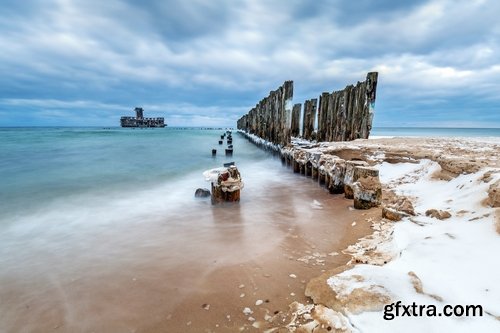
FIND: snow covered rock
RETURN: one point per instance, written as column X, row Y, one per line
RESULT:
column 392, row 214
column 397, row 207
column 494, row 194
column 202, row 193
column 438, row 214
column 348, row 291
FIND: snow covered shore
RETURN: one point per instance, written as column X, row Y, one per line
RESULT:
column 436, row 262
column 444, row 254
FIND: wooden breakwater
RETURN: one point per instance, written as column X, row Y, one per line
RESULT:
column 342, row 115
column 270, row 118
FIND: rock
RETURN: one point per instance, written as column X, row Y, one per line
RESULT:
column 392, row 214
column 398, row 208
column 438, row 214
column 494, row 194
column 404, row 205
column 367, row 192
column 202, row 193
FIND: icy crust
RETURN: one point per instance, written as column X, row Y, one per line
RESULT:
column 228, row 179
column 261, row 142
column 312, row 318
column 213, row 174
column 425, row 260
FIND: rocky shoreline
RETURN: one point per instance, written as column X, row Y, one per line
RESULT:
column 351, row 298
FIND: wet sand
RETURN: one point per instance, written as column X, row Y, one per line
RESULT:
column 277, row 278
column 192, row 271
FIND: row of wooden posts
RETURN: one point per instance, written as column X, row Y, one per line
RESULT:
column 342, row 115
column 229, row 149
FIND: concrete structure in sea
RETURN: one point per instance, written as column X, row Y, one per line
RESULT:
column 140, row 121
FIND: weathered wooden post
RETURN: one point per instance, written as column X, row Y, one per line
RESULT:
column 351, row 177
column 324, row 101
column 295, row 125
column 309, row 118
column 367, row 190
column 226, row 184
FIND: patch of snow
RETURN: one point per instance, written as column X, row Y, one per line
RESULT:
column 455, row 259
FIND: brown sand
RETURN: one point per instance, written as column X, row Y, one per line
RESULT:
column 267, row 277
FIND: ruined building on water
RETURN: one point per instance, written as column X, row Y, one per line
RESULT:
column 140, row 121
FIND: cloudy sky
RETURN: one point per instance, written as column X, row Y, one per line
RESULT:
column 202, row 62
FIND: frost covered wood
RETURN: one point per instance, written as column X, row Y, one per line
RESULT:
column 226, row 184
